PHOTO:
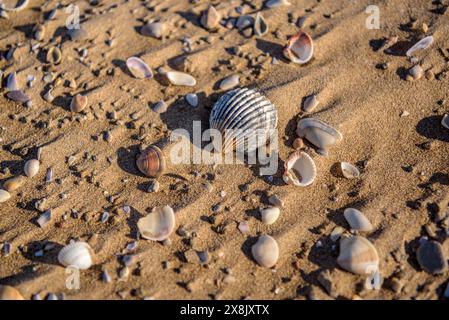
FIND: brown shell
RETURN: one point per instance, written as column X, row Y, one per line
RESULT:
column 151, row 162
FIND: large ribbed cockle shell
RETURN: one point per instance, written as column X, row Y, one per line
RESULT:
column 245, row 118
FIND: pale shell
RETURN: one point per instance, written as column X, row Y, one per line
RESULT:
column 192, row 99
column 11, row 82
column 260, row 26
column 318, row 133
column 358, row 255
column 243, row 114
column 180, row 79
column 310, row 103
column 445, row 121
column 158, row 224
column 276, row 3
column 299, row 48
column 420, row 45
column 31, row 168
column 155, row 30
column 4, row 195
column 349, row 171
column 78, row 103
column 230, row 82
column 160, row 107
column 211, row 18
column 14, row 183
column 270, row 215
column 77, row 255
column 10, row 293
column 300, row 169
column 265, row 251
column 138, row 68
column 357, row 220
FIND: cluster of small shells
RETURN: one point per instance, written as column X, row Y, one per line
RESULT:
column 30, row 169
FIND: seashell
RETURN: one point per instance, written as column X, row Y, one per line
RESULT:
column 415, row 73
column 230, row 82
column 18, row 96
column 310, row 103
column 445, row 121
column 298, row 143
column 276, row 201
column 11, row 82
column 265, row 251
column 318, row 133
column 158, row 224
column 44, row 219
column 244, row 22
column 77, row 255
column 21, row 5
column 138, row 68
column 260, row 26
column 243, row 114
column 270, row 215
column 276, row 3
column 54, row 55
column 39, row 32
column 78, row 103
column 151, row 162
column 14, row 183
column 349, row 171
column 180, row 79
column 77, row 34
column 192, row 99
column 299, row 48
column 358, row 255
column 211, row 18
column 48, row 96
column 160, row 107
column 31, row 168
column 336, row 233
column 420, row 45
column 10, row 293
column 299, row 169
column 154, row 30
column 357, row 220
column 4, row 195
column 431, row 257
column 244, row 227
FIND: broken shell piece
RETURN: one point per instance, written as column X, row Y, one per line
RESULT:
column 299, row 48
column 31, row 168
column 276, row 201
column 298, row 143
column 77, row 255
column 44, row 219
column 18, row 96
column 319, row 133
column 230, row 82
column 358, row 255
column 265, row 251
column 155, row 30
column 415, row 73
column 138, row 68
column 48, row 96
column 260, row 26
column 77, row 34
column 160, row 107
column 276, row 3
column 180, row 79
column 14, row 183
column 357, row 220
column 244, row 21
column 211, row 18
column 420, row 45
column 151, row 162
column 192, row 99
column 11, row 82
column 39, row 32
column 158, row 224
column 78, row 103
column 270, row 215
column 445, row 121
column 54, row 55
column 21, row 5
column 310, row 103
column 4, row 195
column 10, row 293
column 349, row 171
column 299, row 169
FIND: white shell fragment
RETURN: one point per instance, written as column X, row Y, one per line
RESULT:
column 310, row 103
column 415, row 73
column 270, row 215
column 349, row 171
column 318, row 133
column 276, row 3
column 44, row 219
column 154, row 30
column 210, row 18
column 299, row 48
column 180, row 79
column 260, row 26
column 138, row 68
column 192, row 99
column 230, row 82
column 157, row 225
column 11, row 82
column 243, row 115
column 357, row 220
column 76, row 255
column 420, row 45
column 445, row 121
column 21, row 5
column 4, row 195
column 300, row 169
column 18, row 96
column 31, row 168
column 160, row 107
column 265, row 251
column 358, row 255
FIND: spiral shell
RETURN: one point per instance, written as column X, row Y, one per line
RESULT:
column 243, row 114
column 151, row 162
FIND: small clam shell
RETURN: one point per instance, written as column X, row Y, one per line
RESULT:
column 318, row 133
column 158, row 224
column 357, row 220
column 54, row 55
column 276, row 3
column 445, row 121
column 270, row 215
column 349, row 171
column 192, row 99
column 14, row 183
column 415, row 73
column 300, row 169
column 265, row 251
column 18, row 96
column 77, row 255
column 138, row 68
column 31, row 168
column 420, row 45
column 180, row 79
column 154, row 30
column 4, row 195
column 230, row 82
column 358, row 255
column 11, row 82
column 160, row 107
column 260, row 26
column 299, row 48
column 211, row 18
column 10, row 293
column 151, row 162
column 78, row 103
column 310, row 103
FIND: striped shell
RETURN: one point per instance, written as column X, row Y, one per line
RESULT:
column 243, row 114
column 151, row 162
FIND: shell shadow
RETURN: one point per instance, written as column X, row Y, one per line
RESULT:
column 410, row 250
column 26, row 29
column 246, row 248
column 431, row 128
column 126, row 159
column 121, row 64
column 399, row 48
column 320, row 255
column 15, row 167
column 190, row 16
column 272, row 48
column 50, row 257
column 131, row 221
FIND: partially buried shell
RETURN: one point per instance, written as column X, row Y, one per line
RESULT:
column 318, row 133
column 14, row 183
column 243, row 114
column 299, row 48
column 31, row 168
column 260, row 25
column 54, row 55
column 77, row 255
column 138, row 68
column 357, row 220
column 4, row 195
column 349, row 171
column 300, row 169
column 180, row 78
column 78, row 103
column 265, row 251
column 151, row 162
column 10, row 293
column 358, row 255
column 158, row 224
column 154, row 30
column 420, row 45
column 270, row 215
